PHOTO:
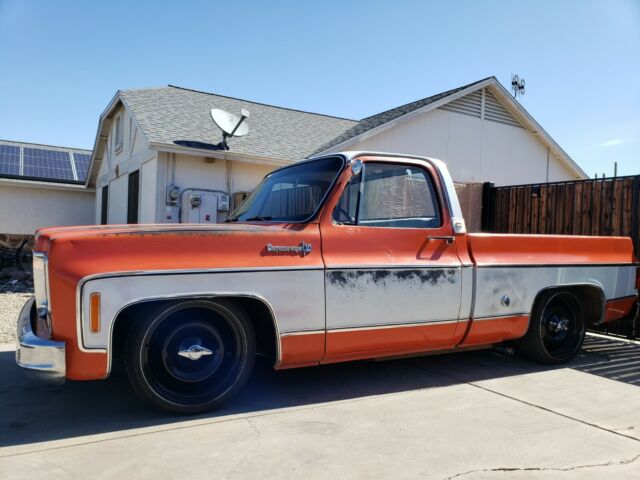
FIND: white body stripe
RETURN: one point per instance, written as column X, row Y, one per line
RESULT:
column 522, row 284
column 295, row 296
column 357, row 298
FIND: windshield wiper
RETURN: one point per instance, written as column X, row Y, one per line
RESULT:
column 258, row 218
column 229, row 220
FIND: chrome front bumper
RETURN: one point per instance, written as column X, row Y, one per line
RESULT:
column 43, row 358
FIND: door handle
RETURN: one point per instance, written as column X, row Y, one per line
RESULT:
column 447, row 238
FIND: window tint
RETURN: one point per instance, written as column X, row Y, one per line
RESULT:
column 397, row 196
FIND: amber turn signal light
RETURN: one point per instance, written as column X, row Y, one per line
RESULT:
column 94, row 312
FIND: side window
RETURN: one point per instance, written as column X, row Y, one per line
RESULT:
column 119, row 131
column 388, row 195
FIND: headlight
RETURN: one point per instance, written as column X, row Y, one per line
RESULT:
column 41, row 287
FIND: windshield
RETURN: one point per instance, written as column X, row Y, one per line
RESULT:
column 291, row 194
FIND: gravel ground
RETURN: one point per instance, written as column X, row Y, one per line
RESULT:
column 10, row 305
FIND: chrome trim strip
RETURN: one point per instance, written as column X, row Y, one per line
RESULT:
column 551, row 265
column 301, row 332
column 393, row 267
column 396, row 325
column 506, row 315
column 391, row 325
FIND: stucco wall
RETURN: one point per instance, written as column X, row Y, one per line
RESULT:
column 25, row 209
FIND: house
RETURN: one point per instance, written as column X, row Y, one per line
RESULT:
column 157, row 155
column 153, row 145
column 158, row 148
column 43, row 185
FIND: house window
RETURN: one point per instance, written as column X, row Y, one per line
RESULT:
column 389, row 195
column 133, row 197
column 104, row 205
column 119, row 131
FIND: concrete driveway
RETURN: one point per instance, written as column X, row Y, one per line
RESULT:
column 466, row 416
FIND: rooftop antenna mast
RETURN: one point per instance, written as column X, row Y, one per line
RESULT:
column 230, row 124
column 517, row 85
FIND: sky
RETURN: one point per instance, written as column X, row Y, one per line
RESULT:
column 62, row 61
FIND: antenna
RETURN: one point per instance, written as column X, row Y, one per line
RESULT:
column 517, row 85
column 230, row 124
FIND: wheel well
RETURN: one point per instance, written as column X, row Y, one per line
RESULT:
column 591, row 297
column 258, row 311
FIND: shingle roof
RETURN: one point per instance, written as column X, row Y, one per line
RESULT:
column 381, row 118
column 178, row 116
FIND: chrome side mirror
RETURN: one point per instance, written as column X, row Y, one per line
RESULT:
column 356, row 166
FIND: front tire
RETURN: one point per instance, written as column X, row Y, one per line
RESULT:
column 190, row 357
column 556, row 329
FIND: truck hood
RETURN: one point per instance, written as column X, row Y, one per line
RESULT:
column 76, row 252
column 84, row 230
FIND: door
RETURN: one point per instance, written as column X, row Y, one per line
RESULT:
column 393, row 277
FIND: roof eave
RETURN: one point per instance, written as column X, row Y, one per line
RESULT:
column 16, row 182
column 100, row 140
column 419, row 111
column 524, row 116
column 219, row 154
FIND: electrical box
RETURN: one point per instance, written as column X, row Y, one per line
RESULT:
column 223, row 202
column 199, row 207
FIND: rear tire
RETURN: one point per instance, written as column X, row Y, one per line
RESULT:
column 556, row 329
column 190, row 357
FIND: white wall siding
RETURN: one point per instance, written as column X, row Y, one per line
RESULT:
column 24, row 209
column 246, row 176
column 198, row 172
column 474, row 149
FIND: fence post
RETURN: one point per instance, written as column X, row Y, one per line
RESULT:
column 635, row 214
column 487, row 220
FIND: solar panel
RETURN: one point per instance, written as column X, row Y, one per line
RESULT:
column 50, row 164
column 9, row 160
column 82, row 161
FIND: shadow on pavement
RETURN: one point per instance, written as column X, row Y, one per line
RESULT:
column 31, row 412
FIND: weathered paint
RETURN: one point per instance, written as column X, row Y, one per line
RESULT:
column 362, row 292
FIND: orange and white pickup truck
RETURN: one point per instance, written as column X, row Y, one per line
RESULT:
column 343, row 257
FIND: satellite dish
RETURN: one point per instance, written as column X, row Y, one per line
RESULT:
column 230, row 124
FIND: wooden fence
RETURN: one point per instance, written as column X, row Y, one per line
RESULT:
column 604, row 206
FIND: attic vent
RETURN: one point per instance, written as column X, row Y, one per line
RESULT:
column 494, row 111
column 469, row 104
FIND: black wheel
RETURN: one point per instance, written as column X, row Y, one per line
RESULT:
column 556, row 329
column 190, row 357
